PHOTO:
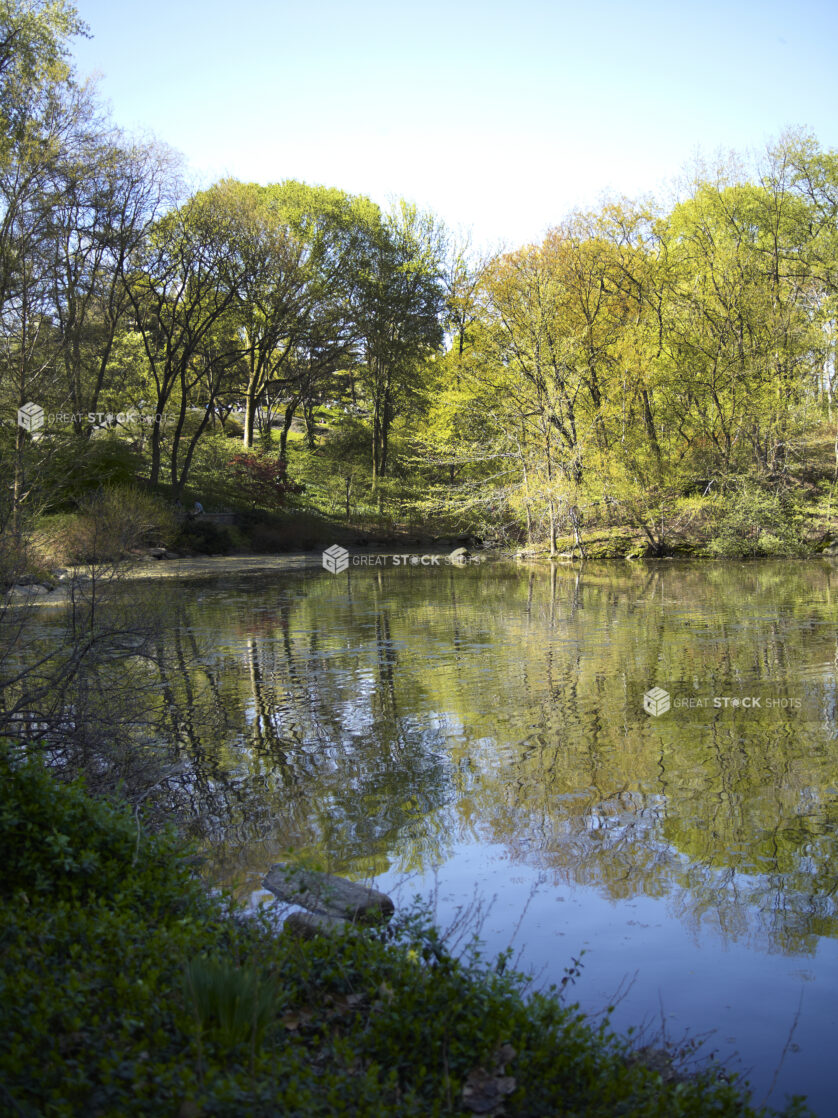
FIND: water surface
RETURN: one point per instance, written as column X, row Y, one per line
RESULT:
column 480, row 731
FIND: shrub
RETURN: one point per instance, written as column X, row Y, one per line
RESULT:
column 233, row 428
column 109, row 523
column 263, row 480
column 756, row 524
column 204, row 537
column 77, row 467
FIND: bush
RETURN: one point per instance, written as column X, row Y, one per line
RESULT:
column 262, row 480
column 109, row 523
column 204, row 537
column 77, row 467
column 233, row 428
column 756, row 524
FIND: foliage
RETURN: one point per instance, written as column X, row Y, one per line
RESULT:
column 755, row 523
column 637, row 353
column 263, row 480
column 76, row 467
column 110, row 522
column 232, row 1004
column 127, row 989
column 204, row 537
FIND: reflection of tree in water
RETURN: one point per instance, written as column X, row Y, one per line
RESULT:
column 732, row 836
column 319, row 758
column 377, row 718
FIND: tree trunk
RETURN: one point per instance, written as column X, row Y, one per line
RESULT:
column 17, row 491
column 156, row 449
column 250, row 399
column 286, row 427
column 375, row 442
column 178, row 431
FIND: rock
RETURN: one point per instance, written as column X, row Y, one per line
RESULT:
column 307, row 925
column 32, row 589
column 157, row 552
column 483, row 1093
column 327, row 895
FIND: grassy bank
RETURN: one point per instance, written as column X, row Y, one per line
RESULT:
column 126, row 989
column 99, row 507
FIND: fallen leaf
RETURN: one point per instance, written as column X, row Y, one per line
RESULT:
column 294, row 1019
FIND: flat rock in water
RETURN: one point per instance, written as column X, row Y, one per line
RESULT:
column 328, row 895
column 307, row 925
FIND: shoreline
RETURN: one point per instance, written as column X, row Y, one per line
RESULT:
column 187, row 568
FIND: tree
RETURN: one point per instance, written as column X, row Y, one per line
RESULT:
column 399, row 317
column 107, row 193
column 337, row 230
column 185, row 278
column 34, row 64
column 35, row 123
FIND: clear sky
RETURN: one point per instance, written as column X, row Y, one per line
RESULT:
column 499, row 116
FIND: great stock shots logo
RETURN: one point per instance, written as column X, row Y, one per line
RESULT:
column 656, row 701
column 335, row 559
column 755, row 698
column 30, row 417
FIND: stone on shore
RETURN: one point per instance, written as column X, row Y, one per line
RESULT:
column 327, row 895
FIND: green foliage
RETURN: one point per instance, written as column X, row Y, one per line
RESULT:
column 756, row 524
column 109, row 523
column 77, row 467
column 233, row 1004
column 34, row 54
column 127, row 989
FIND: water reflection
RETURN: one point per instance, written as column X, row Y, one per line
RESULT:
column 382, row 717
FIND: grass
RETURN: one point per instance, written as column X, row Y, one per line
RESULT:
column 126, row 989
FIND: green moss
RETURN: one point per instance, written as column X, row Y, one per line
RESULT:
column 127, row 990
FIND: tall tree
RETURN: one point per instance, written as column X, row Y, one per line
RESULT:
column 185, row 278
column 399, row 317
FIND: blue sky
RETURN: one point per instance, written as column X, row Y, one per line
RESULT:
column 500, row 117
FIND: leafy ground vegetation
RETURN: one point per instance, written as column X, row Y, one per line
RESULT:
column 127, row 989
column 650, row 379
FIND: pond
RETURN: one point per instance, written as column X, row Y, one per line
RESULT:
column 479, row 732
